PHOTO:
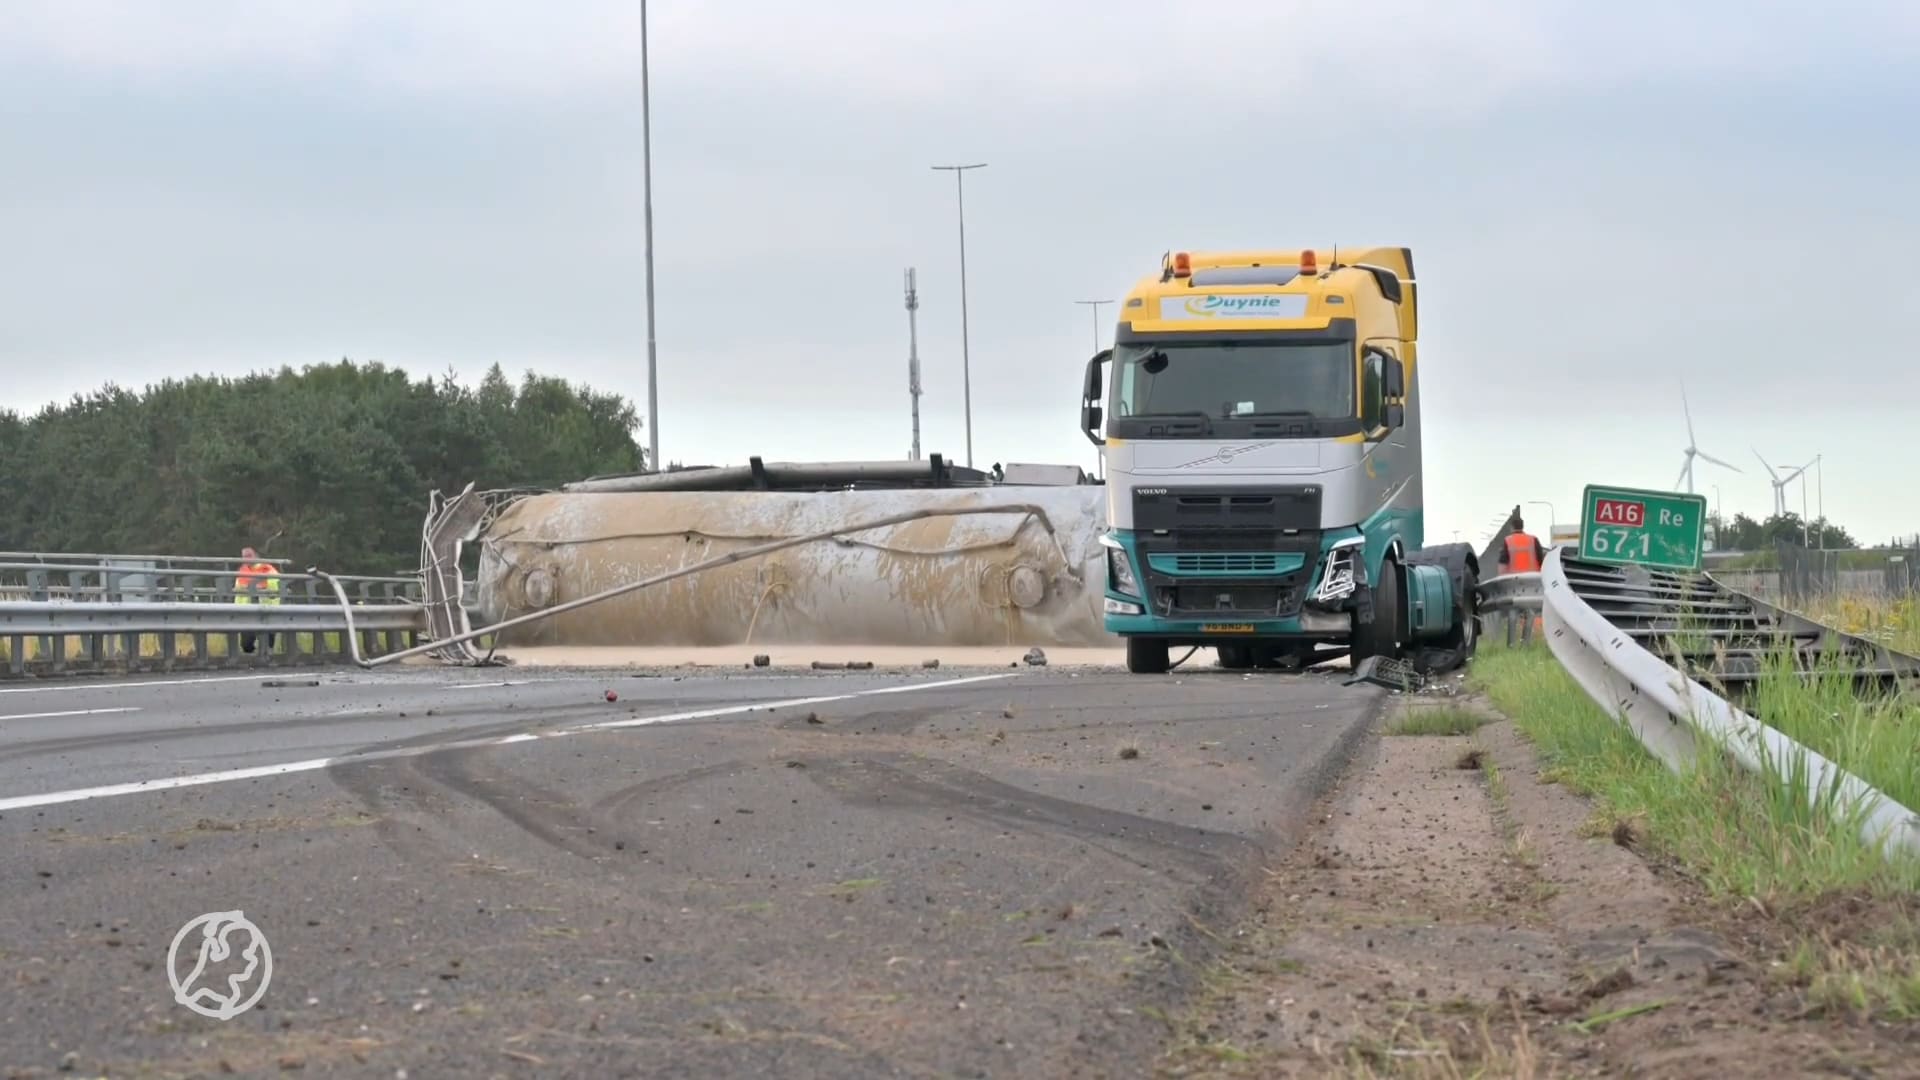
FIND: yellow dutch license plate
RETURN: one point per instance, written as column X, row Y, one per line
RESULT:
column 1227, row 628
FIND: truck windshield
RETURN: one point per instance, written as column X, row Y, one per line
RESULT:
column 1226, row 380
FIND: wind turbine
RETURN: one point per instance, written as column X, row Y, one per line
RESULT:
column 1780, row 484
column 1693, row 451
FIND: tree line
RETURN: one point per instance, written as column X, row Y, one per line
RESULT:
column 1743, row 533
column 329, row 465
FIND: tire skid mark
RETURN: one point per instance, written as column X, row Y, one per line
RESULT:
column 544, row 815
column 381, row 787
column 904, row 721
column 618, row 805
column 901, row 782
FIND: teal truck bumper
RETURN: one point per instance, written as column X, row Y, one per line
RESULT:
column 1210, row 597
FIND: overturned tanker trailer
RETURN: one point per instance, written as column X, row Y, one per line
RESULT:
column 1014, row 564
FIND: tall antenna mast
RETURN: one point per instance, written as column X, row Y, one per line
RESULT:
column 913, row 360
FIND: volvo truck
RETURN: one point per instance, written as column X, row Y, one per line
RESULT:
column 1259, row 420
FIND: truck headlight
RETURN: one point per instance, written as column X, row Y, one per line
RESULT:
column 1120, row 573
column 1343, row 572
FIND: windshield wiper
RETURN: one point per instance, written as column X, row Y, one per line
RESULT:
column 1308, row 413
column 1185, row 414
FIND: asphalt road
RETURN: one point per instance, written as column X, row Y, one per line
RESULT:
column 888, row 875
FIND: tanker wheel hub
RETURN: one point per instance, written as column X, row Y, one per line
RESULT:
column 539, row 587
column 1026, row 586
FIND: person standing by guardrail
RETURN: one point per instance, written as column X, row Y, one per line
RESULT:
column 259, row 580
column 1522, row 553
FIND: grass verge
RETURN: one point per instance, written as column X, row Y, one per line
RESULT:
column 1894, row 622
column 1443, row 720
column 1743, row 838
column 1872, row 737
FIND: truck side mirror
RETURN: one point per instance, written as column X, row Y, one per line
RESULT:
column 1096, row 384
column 1092, row 391
column 1396, row 379
column 1396, row 416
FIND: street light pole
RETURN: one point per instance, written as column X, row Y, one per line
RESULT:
column 1095, row 305
column 966, row 359
column 646, row 165
column 1552, row 518
column 1820, row 478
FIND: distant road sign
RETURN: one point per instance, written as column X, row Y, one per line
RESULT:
column 1632, row 527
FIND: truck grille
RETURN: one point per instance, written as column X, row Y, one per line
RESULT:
column 1222, row 562
column 1228, row 552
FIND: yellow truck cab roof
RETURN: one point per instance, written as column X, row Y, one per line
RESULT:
column 1196, row 292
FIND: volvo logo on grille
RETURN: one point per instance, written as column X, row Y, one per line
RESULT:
column 1150, row 491
column 1226, row 454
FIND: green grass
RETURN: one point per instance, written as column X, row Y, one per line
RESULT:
column 1894, row 622
column 1445, row 720
column 1872, row 737
column 1741, row 836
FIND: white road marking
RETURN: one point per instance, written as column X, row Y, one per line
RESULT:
column 26, row 802
column 68, row 712
column 58, row 687
column 790, row 703
column 23, row 802
column 258, row 676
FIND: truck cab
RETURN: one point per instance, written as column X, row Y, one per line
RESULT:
column 1259, row 421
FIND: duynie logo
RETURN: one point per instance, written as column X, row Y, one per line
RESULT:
column 1210, row 306
column 228, row 967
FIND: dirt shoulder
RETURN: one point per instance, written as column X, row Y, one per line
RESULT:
column 1454, row 915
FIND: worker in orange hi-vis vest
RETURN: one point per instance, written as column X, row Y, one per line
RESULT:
column 1522, row 553
column 258, row 579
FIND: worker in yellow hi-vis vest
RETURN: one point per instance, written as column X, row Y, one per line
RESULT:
column 258, row 581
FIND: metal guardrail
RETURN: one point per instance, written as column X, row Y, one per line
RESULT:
column 1602, row 623
column 61, row 638
column 63, row 613
column 117, row 578
column 170, row 561
column 1510, row 604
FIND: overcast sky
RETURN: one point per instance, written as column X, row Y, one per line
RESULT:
column 1603, row 200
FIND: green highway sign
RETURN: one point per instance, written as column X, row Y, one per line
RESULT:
column 1631, row 527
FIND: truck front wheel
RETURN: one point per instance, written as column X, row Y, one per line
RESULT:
column 1381, row 635
column 1147, row 656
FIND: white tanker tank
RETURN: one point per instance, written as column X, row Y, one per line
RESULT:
column 988, row 575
